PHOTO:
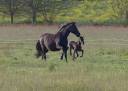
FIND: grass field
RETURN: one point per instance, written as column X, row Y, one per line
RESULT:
column 104, row 66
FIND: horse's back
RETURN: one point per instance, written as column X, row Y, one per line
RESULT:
column 49, row 35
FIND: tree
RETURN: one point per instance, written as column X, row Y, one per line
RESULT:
column 120, row 7
column 10, row 7
column 51, row 8
column 32, row 8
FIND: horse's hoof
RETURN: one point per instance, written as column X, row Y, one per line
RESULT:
column 73, row 59
column 61, row 58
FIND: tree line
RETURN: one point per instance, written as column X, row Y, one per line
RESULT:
column 46, row 8
column 50, row 9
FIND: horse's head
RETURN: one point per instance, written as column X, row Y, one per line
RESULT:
column 82, row 39
column 73, row 29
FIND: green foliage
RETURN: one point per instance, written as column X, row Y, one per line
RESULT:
column 120, row 8
column 58, row 11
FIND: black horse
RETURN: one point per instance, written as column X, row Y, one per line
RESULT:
column 56, row 42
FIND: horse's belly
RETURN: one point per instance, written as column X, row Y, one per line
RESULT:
column 53, row 47
column 51, row 43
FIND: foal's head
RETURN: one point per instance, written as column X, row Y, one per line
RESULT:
column 82, row 39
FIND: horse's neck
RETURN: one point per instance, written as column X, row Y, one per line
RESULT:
column 64, row 33
column 64, row 30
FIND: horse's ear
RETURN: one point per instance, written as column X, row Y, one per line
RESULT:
column 73, row 22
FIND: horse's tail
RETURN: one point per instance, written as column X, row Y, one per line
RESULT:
column 41, row 45
column 38, row 49
column 38, row 46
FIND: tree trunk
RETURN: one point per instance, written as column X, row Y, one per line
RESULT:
column 126, row 16
column 12, row 17
column 34, row 17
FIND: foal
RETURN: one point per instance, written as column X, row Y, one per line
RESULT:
column 76, row 47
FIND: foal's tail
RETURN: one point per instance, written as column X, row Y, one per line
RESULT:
column 41, row 45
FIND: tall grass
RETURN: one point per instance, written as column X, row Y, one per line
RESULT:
column 103, row 67
column 99, row 70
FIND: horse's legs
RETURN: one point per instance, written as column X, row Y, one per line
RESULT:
column 82, row 52
column 44, row 51
column 42, row 57
column 77, row 54
column 45, row 56
column 62, row 56
column 65, row 53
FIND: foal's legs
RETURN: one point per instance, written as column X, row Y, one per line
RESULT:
column 70, row 51
column 82, row 52
column 75, row 52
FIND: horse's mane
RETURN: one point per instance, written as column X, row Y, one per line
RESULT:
column 65, row 25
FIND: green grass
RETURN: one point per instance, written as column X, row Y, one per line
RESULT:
column 104, row 66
